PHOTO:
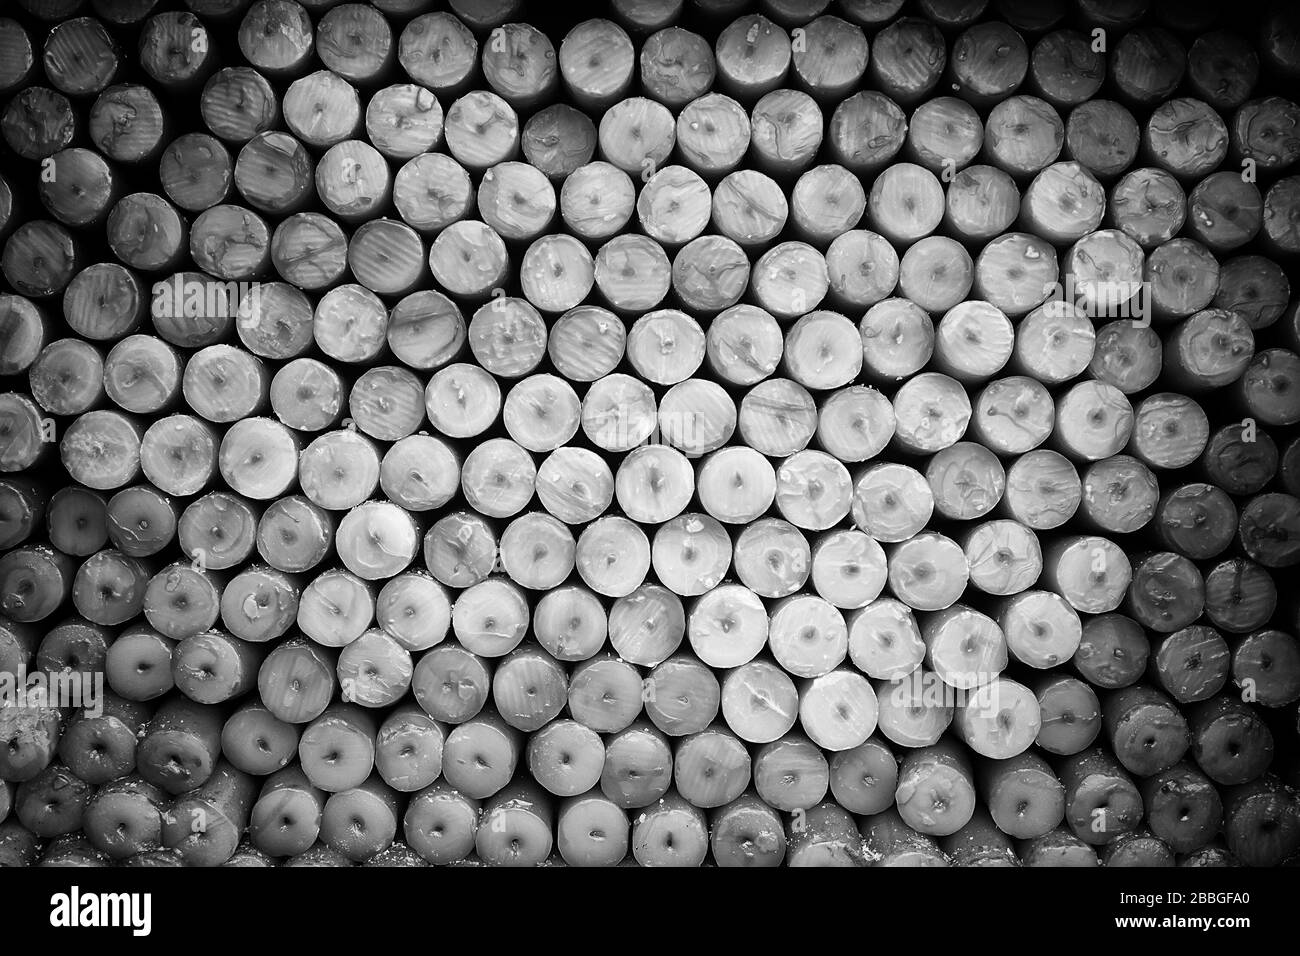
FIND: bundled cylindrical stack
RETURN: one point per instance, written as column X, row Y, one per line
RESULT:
column 667, row 432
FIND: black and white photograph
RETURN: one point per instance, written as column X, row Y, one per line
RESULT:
column 694, row 434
